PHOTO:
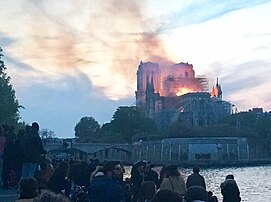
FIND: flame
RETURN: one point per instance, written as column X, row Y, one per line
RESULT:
column 184, row 90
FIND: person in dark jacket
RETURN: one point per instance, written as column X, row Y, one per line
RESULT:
column 195, row 179
column 32, row 150
column 151, row 175
column 59, row 181
column 230, row 190
column 137, row 177
column 10, row 158
column 107, row 188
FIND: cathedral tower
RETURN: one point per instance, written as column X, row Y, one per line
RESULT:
column 147, row 73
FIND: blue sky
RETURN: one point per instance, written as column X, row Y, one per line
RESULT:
column 74, row 58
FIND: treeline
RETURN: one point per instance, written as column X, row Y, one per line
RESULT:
column 243, row 124
column 129, row 125
column 9, row 105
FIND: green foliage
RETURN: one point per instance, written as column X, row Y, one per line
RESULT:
column 128, row 123
column 263, row 125
column 87, row 129
column 179, row 129
column 9, row 105
column 244, row 124
column 250, row 124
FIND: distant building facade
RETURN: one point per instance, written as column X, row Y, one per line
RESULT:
column 176, row 93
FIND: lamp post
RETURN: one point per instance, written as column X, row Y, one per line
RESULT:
column 219, row 148
column 140, row 149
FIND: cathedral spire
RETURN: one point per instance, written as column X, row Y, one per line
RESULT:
column 217, row 92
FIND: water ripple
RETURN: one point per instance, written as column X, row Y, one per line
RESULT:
column 254, row 182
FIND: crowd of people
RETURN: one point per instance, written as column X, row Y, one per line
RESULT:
column 25, row 167
column 20, row 154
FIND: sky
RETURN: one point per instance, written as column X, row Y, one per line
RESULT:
column 73, row 58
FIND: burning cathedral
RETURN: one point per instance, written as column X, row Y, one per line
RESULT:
column 177, row 94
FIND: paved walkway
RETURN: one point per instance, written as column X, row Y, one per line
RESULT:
column 9, row 195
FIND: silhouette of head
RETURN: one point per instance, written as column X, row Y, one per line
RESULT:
column 196, row 193
column 172, row 170
column 146, row 191
column 229, row 177
column 196, row 169
column 28, row 188
column 35, row 126
column 62, row 170
column 113, row 169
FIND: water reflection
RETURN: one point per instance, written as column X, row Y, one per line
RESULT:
column 254, row 182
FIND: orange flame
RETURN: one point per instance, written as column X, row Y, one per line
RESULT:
column 184, row 90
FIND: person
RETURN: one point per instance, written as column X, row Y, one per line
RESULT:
column 45, row 173
column 174, row 181
column 9, row 157
column 167, row 196
column 151, row 175
column 146, row 191
column 32, row 151
column 59, row 181
column 81, row 173
column 162, row 175
column 48, row 196
column 107, row 188
column 196, row 193
column 195, row 179
column 137, row 177
column 28, row 189
column 211, row 197
column 19, row 143
column 230, row 190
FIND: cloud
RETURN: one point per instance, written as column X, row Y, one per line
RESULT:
column 5, row 40
column 59, row 109
column 200, row 11
column 75, row 57
column 104, row 40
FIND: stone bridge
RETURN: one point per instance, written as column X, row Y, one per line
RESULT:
column 85, row 151
column 205, row 150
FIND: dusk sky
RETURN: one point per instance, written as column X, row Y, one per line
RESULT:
column 73, row 58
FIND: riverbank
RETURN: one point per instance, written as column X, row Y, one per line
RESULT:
column 215, row 164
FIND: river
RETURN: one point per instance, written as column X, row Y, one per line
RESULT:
column 254, row 182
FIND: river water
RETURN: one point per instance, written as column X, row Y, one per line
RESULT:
column 254, row 182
